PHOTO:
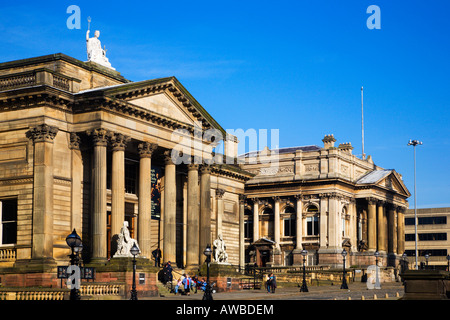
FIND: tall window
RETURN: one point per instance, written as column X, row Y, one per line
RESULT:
column 8, row 219
column 290, row 225
column 131, row 177
column 248, row 224
column 312, row 221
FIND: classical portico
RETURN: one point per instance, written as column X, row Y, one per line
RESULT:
column 93, row 150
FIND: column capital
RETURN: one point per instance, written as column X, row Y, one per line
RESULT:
column 119, row 141
column 192, row 166
column 298, row 197
column 382, row 203
column 42, row 133
column 99, row 136
column 276, row 199
column 242, row 198
column 74, row 141
column 205, row 168
column 168, row 157
column 220, row 193
column 146, row 149
column 372, row 201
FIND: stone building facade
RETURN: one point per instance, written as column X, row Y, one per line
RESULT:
column 83, row 148
column 323, row 200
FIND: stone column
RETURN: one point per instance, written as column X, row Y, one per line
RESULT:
column 77, row 174
column 372, row 225
column 381, row 228
column 170, row 208
column 205, row 208
column 255, row 219
column 323, row 221
column 299, row 221
column 219, row 217
column 118, row 143
column 99, row 247
column 241, row 231
column 146, row 150
column 193, row 217
column 400, row 230
column 276, row 223
column 333, row 222
column 42, row 241
column 353, row 225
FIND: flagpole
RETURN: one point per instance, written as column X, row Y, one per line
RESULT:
column 362, row 124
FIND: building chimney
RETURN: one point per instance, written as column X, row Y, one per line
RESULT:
column 346, row 147
column 328, row 141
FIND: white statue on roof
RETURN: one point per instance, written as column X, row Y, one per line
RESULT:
column 95, row 52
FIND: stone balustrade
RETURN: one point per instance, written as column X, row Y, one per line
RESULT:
column 7, row 254
column 38, row 77
column 28, row 294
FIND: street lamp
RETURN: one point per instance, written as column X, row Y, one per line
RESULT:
column 344, row 280
column 426, row 258
column 377, row 279
column 134, row 251
column 415, row 143
column 207, row 252
column 73, row 240
column 304, row 287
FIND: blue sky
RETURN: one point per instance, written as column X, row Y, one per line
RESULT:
column 296, row 66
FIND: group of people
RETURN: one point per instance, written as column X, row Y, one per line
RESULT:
column 186, row 284
column 271, row 283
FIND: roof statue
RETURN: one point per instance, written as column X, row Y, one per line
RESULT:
column 94, row 49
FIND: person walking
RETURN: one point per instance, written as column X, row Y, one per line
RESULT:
column 273, row 282
column 268, row 283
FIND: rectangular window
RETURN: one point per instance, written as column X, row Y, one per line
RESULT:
column 131, row 177
column 290, row 227
column 8, row 219
column 426, row 220
column 312, row 226
column 248, row 229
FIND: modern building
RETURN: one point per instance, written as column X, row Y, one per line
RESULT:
column 433, row 227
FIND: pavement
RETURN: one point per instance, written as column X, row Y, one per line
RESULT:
column 356, row 291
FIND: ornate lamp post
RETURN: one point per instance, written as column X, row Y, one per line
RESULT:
column 344, row 280
column 377, row 279
column 73, row 240
column 304, row 287
column 207, row 295
column 134, row 251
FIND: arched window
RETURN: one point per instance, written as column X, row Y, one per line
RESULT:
column 312, row 221
column 267, row 210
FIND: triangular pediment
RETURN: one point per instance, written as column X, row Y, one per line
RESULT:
column 163, row 105
column 164, row 98
column 386, row 179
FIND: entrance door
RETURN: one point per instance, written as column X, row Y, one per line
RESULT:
column 264, row 258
